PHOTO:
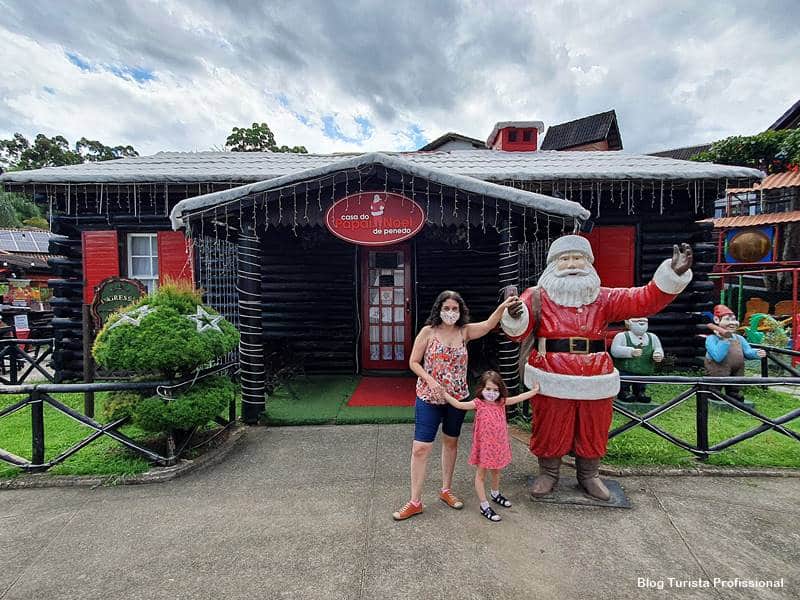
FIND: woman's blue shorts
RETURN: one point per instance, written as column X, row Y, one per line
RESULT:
column 427, row 418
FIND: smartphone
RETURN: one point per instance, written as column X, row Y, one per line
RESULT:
column 510, row 290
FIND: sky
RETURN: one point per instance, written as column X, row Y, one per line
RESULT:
column 367, row 75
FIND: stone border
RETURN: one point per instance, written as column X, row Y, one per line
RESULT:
column 702, row 470
column 155, row 475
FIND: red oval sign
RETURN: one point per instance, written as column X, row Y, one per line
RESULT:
column 375, row 218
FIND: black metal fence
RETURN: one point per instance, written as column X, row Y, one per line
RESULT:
column 704, row 390
column 20, row 358
column 772, row 359
column 37, row 395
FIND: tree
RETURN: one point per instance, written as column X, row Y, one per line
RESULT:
column 257, row 138
column 16, row 210
column 18, row 154
column 770, row 151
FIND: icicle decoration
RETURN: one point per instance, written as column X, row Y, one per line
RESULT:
column 305, row 212
column 468, row 242
column 294, row 216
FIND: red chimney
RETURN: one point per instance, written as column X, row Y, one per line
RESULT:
column 515, row 136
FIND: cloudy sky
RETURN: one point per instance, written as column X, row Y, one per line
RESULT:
column 391, row 75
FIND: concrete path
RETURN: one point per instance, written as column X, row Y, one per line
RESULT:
column 306, row 513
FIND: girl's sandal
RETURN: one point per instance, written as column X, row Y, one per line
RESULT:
column 501, row 500
column 489, row 513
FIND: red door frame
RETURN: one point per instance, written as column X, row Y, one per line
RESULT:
column 366, row 362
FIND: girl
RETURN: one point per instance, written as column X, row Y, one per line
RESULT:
column 491, row 449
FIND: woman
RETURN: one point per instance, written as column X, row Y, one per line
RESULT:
column 439, row 359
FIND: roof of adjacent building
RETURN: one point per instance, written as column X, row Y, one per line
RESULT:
column 36, row 262
column 452, row 136
column 491, row 165
column 685, row 153
column 754, row 220
column 585, row 130
column 24, row 240
column 772, row 182
column 788, row 120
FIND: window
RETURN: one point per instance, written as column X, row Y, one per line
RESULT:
column 527, row 135
column 143, row 259
column 512, row 135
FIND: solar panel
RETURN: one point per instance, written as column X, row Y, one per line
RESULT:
column 7, row 241
column 24, row 241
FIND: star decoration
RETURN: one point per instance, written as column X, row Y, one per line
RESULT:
column 134, row 317
column 205, row 321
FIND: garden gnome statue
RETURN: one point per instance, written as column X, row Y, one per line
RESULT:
column 635, row 352
column 726, row 350
column 569, row 313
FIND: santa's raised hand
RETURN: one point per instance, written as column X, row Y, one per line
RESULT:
column 682, row 258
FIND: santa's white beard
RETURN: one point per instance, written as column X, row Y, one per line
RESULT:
column 570, row 287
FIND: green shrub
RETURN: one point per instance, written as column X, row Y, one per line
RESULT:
column 192, row 408
column 157, row 335
column 119, row 404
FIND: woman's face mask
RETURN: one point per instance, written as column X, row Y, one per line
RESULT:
column 449, row 316
column 491, row 395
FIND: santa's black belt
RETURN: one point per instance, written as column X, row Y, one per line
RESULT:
column 574, row 345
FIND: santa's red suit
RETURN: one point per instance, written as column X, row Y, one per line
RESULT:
column 578, row 383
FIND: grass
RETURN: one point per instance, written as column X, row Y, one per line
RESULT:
column 322, row 400
column 102, row 457
column 638, row 446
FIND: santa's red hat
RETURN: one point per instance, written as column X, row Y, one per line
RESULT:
column 720, row 310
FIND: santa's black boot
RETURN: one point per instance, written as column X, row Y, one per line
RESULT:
column 589, row 478
column 548, row 477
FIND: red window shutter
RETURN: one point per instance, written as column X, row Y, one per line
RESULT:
column 100, row 260
column 174, row 257
column 614, row 251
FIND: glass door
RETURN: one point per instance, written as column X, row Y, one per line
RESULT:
column 386, row 307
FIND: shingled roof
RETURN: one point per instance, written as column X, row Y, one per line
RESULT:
column 453, row 137
column 788, row 120
column 587, row 130
column 685, row 153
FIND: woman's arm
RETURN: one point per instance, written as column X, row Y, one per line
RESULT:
column 470, row 405
column 415, row 361
column 473, row 331
column 523, row 396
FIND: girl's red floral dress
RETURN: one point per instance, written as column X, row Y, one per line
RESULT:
column 491, row 448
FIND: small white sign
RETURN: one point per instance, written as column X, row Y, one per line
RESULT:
column 21, row 322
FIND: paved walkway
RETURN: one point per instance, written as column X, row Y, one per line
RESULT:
column 306, row 513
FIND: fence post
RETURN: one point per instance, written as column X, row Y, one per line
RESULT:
column 13, row 364
column 701, row 396
column 37, row 428
column 88, row 360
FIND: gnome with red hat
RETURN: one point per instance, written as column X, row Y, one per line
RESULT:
column 568, row 314
column 726, row 350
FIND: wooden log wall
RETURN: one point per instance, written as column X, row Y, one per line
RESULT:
column 443, row 262
column 67, row 301
column 308, row 290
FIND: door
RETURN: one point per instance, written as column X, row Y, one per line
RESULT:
column 386, row 307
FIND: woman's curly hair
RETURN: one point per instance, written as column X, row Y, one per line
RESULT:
column 434, row 319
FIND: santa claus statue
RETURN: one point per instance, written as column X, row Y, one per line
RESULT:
column 568, row 313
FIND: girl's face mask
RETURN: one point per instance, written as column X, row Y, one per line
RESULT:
column 449, row 316
column 491, row 395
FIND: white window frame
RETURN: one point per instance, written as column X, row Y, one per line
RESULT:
column 151, row 283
